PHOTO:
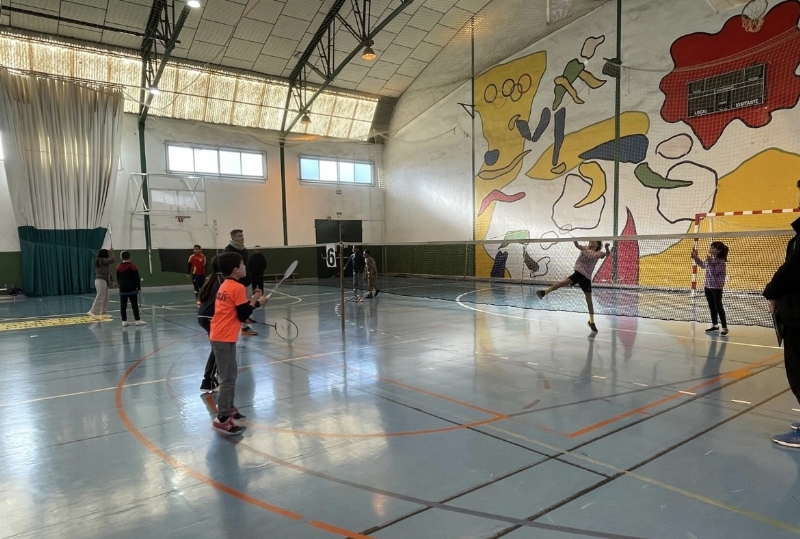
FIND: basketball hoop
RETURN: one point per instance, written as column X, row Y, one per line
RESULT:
column 753, row 15
column 181, row 218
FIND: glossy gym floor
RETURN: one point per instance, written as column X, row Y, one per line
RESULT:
column 429, row 419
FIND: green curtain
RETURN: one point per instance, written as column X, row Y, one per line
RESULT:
column 58, row 262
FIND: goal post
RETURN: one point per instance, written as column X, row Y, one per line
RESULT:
column 749, row 223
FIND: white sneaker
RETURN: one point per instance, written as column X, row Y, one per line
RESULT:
column 92, row 316
column 126, row 324
column 140, row 323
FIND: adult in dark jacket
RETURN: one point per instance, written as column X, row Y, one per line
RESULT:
column 783, row 293
column 236, row 245
column 256, row 268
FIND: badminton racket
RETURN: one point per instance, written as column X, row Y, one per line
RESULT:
column 284, row 328
column 287, row 273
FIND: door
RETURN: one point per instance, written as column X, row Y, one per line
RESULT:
column 330, row 231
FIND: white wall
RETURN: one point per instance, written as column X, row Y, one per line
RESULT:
column 254, row 206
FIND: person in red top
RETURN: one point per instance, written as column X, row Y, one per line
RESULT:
column 196, row 270
column 231, row 308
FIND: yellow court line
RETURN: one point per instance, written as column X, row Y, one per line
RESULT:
column 50, row 322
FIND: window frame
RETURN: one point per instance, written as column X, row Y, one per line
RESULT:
column 338, row 181
column 217, row 149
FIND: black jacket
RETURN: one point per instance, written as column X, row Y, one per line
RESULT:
column 206, row 309
column 257, row 265
column 128, row 279
column 785, row 284
column 245, row 281
column 356, row 262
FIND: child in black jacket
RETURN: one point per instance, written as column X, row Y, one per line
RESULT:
column 129, row 287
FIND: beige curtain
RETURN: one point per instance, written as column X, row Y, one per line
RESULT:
column 61, row 141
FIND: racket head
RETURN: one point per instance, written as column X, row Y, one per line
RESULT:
column 286, row 329
column 290, row 269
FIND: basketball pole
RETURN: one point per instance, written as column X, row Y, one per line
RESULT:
column 341, row 278
column 617, row 142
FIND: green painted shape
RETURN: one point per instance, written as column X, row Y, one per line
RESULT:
column 654, row 180
column 517, row 235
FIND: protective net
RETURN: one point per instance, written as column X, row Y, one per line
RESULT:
column 645, row 276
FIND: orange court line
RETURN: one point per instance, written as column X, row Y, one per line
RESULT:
column 213, row 407
column 172, row 461
column 420, row 390
column 737, row 374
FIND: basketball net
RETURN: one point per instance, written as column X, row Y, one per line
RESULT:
column 753, row 15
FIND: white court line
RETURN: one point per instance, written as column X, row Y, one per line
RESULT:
column 458, row 300
column 741, row 402
column 277, row 361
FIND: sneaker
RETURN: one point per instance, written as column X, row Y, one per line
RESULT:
column 236, row 415
column 92, row 316
column 790, row 439
column 724, row 331
column 247, row 330
column 712, row 329
column 227, row 427
column 540, row 293
column 208, row 386
column 369, row 296
column 140, row 323
column 796, row 426
column 106, row 317
column 126, row 324
column 377, row 292
column 592, row 327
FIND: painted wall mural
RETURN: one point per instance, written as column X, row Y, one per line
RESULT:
column 717, row 130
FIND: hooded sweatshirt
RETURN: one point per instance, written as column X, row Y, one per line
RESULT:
column 128, row 279
column 785, row 284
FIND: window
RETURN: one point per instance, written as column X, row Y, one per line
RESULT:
column 330, row 170
column 215, row 161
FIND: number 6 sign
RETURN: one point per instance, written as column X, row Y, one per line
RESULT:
column 330, row 255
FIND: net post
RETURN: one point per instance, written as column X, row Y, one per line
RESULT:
column 696, row 245
column 341, row 282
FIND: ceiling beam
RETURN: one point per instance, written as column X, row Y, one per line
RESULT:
column 103, row 27
column 298, row 83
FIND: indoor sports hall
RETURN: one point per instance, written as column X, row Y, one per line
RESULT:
column 514, row 253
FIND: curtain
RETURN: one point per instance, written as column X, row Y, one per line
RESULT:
column 61, row 141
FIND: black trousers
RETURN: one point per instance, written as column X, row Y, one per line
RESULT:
column 258, row 283
column 123, row 307
column 791, row 358
column 197, row 282
column 714, row 297
column 211, row 363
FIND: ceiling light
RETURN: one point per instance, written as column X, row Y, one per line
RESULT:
column 305, row 120
column 193, row 4
column 368, row 54
column 154, row 90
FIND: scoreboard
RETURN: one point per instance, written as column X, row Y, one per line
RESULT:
column 733, row 90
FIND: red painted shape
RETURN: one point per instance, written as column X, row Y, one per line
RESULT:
column 498, row 196
column 700, row 55
column 627, row 258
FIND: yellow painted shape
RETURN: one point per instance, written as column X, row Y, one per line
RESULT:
column 631, row 123
column 495, row 120
column 767, row 180
column 595, row 173
column 48, row 323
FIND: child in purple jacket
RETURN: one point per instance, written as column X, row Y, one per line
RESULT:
column 715, row 281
